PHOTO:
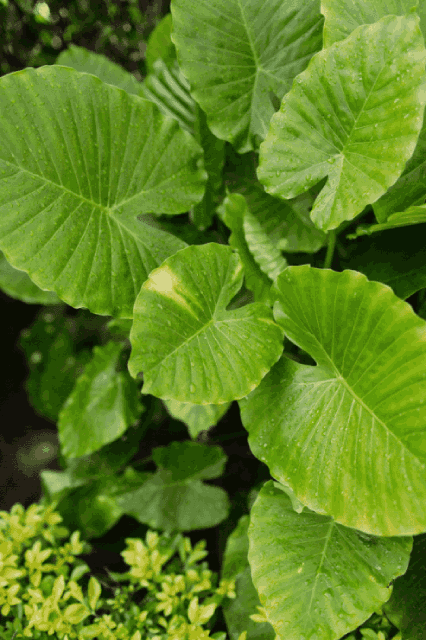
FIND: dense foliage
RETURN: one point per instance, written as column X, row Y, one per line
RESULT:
column 245, row 224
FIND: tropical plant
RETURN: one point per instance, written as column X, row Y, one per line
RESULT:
column 248, row 223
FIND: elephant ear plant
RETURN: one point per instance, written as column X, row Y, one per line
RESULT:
column 251, row 219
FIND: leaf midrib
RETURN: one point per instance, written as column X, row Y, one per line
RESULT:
column 343, row 381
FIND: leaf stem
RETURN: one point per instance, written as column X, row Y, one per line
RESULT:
column 330, row 249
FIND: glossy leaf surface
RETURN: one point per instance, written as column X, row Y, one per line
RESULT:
column 317, row 579
column 348, row 435
column 184, row 341
column 354, row 115
column 77, row 198
column 344, row 16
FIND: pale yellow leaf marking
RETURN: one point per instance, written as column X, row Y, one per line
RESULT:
column 165, row 282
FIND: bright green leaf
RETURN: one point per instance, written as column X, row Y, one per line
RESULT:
column 344, row 16
column 239, row 56
column 175, row 498
column 348, row 435
column 354, row 115
column 94, row 590
column 188, row 346
column 101, row 407
column 317, row 579
column 77, row 199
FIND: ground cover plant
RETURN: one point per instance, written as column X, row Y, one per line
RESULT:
column 246, row 226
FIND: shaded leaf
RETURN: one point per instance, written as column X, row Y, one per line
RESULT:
column 17, row 284
column 406, row 607
column 54, row 362
column 238, row 610
column 197, row 417
column 102, row 405
column 168, row 89
column 413, row 215
column 238, row 57
column 396, row 258
column 232, row 211
column 86, row 61
column 175, row 498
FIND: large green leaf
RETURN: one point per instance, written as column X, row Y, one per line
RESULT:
column 80, row 160
column 344, row 16
column 102, row 405
column 348, row 436
column 17, row 284
column 353, row 116
column 396, row 258
column 86, row 61
column 188, row 346
column 239, row 56
column 317, row 579
column 175, row 498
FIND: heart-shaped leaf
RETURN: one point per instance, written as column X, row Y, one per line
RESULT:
column 79, row 161
column 184, row 341
column 354, row 115
column 239, row 56
column 347, row 436
column 175, row 498
column 315, row 578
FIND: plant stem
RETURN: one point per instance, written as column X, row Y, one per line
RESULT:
column 330, row 249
